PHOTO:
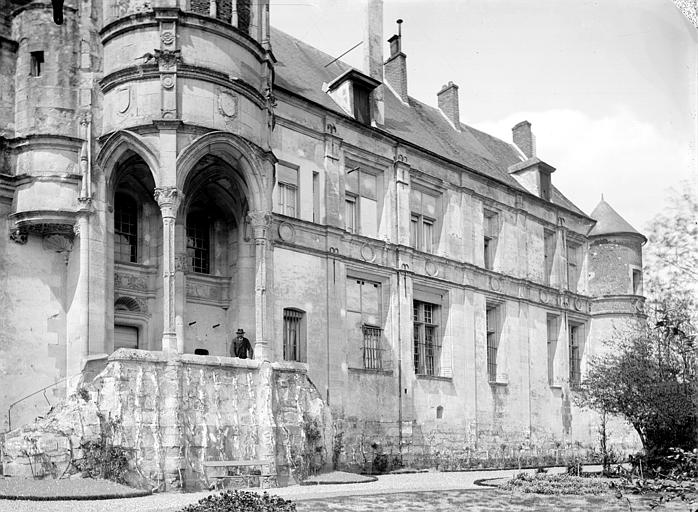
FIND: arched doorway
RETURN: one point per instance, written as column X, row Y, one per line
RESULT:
column 218, row 258
column 135, row 241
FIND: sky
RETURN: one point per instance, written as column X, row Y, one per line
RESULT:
column 609, row 86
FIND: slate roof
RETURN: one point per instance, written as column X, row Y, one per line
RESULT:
column 302, row 69
column 609, row 222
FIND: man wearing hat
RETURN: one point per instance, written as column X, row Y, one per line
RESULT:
column 241, row 346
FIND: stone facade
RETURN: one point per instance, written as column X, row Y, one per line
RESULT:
column 171, row 172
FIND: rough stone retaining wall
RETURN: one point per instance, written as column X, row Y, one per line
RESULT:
column 177, row 411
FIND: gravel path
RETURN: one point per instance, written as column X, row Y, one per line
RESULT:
column 173, row 501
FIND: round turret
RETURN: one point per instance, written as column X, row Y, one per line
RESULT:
column 615, row 254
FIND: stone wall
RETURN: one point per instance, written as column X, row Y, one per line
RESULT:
column 175, row 412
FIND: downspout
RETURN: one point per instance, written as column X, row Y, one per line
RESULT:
column 399, row 356
column 85, row 200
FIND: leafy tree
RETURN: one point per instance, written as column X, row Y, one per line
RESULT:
column 671, row 254
column 649, row 378
column 649, row 373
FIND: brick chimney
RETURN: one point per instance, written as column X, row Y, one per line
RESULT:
column 396, row 65
column 524, row 139
column 448, row 103
column 373, row 56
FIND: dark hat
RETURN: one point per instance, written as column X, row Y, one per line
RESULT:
column 240, row 331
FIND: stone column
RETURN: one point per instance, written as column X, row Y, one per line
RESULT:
column 168, row 198
column 260, row 222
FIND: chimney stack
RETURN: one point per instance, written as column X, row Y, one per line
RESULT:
column 396, row 65
column 524, row 139
column 448, row 103
column 373, row 56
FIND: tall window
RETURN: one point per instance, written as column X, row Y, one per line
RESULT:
column 350, row 214
column 573, row 264
column 576, row 334
column 491, row 232
column 637, row 282
column 422, row 220
column 362, row 201
column 125, row 229
column 364, row 321
column 553, row 329
column 549, row 242
column 316, row 197
column 287, row 178
column 427, row 342
column 199, row 243
column 294, row 335
column 493, row 332
column 36, row 63
column 243, row 10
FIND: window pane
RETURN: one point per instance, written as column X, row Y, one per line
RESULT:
column 369, row 217
column 428, row 228
column 199, row 243
column 125, row 229
column 416, row 201
column 414, row 232
column 350, row 214
column 428, row 205
column 353, row 294
column 351, row 179
column 370, row 303
column 368, row 186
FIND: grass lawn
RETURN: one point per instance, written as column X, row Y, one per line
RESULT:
column 483, row 501
column 77, row 489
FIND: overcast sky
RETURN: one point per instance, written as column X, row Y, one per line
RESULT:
column 610, row 86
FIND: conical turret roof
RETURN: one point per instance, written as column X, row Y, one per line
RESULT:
column 609, row 222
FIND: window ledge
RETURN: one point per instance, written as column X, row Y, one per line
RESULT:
column 370, row 371
column 498, row 383
column 555, row 386
column 424, row 376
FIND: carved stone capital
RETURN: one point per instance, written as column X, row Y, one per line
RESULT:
column 260, row 222
column 168, row 198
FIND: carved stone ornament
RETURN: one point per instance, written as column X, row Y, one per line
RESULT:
column 287, row 233
column 168, row 81
column 167, row 58
column 367, row 252
column 168, row 196
column 228, row 104
column 19, row 236
column 181, row 263
column 123, row 99
column 167, row 37
column 495, row 284
column 543, row 296
column 578, row 304
column 431, row 269
column 57, row 243
column 259, row 222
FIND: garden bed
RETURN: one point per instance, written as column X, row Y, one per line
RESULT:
column 13, row 488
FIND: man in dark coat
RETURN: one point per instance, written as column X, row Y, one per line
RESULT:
column 241, row 346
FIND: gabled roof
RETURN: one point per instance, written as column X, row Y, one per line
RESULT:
column 302, row 69
column 609, row 222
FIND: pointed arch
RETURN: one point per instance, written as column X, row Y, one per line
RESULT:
column 254, row 165
column 118, row 145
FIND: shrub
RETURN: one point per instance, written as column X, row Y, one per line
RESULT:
column 103, row 460
column 556, row 484
column 241, row 501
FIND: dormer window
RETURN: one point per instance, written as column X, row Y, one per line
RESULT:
column 352, row 92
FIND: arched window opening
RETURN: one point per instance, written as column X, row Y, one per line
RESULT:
column 125, row 229
column 199, row 243
column 439, row 412
column 294, row 335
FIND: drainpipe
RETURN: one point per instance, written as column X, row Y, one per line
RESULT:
column 399, row 356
